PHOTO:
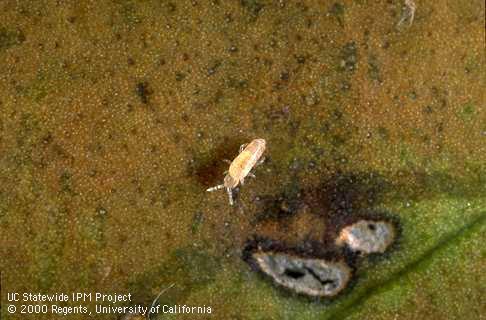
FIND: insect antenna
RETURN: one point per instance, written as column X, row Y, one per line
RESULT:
column 156, row 299
column 218, row 187
column 230, row 196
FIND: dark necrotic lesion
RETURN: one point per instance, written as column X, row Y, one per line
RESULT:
column 298, row 274
column 293, row 273
column 324, row 282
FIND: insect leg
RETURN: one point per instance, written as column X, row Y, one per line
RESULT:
column 227, row 161
column 242, row 147
column 251, row 175
column 259, row 162
column 218, row 187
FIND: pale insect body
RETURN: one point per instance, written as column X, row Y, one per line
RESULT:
column 250, row 156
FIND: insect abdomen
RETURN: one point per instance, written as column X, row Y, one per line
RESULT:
column 246, row 160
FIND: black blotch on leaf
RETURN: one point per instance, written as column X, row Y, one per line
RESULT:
column 143, row 92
